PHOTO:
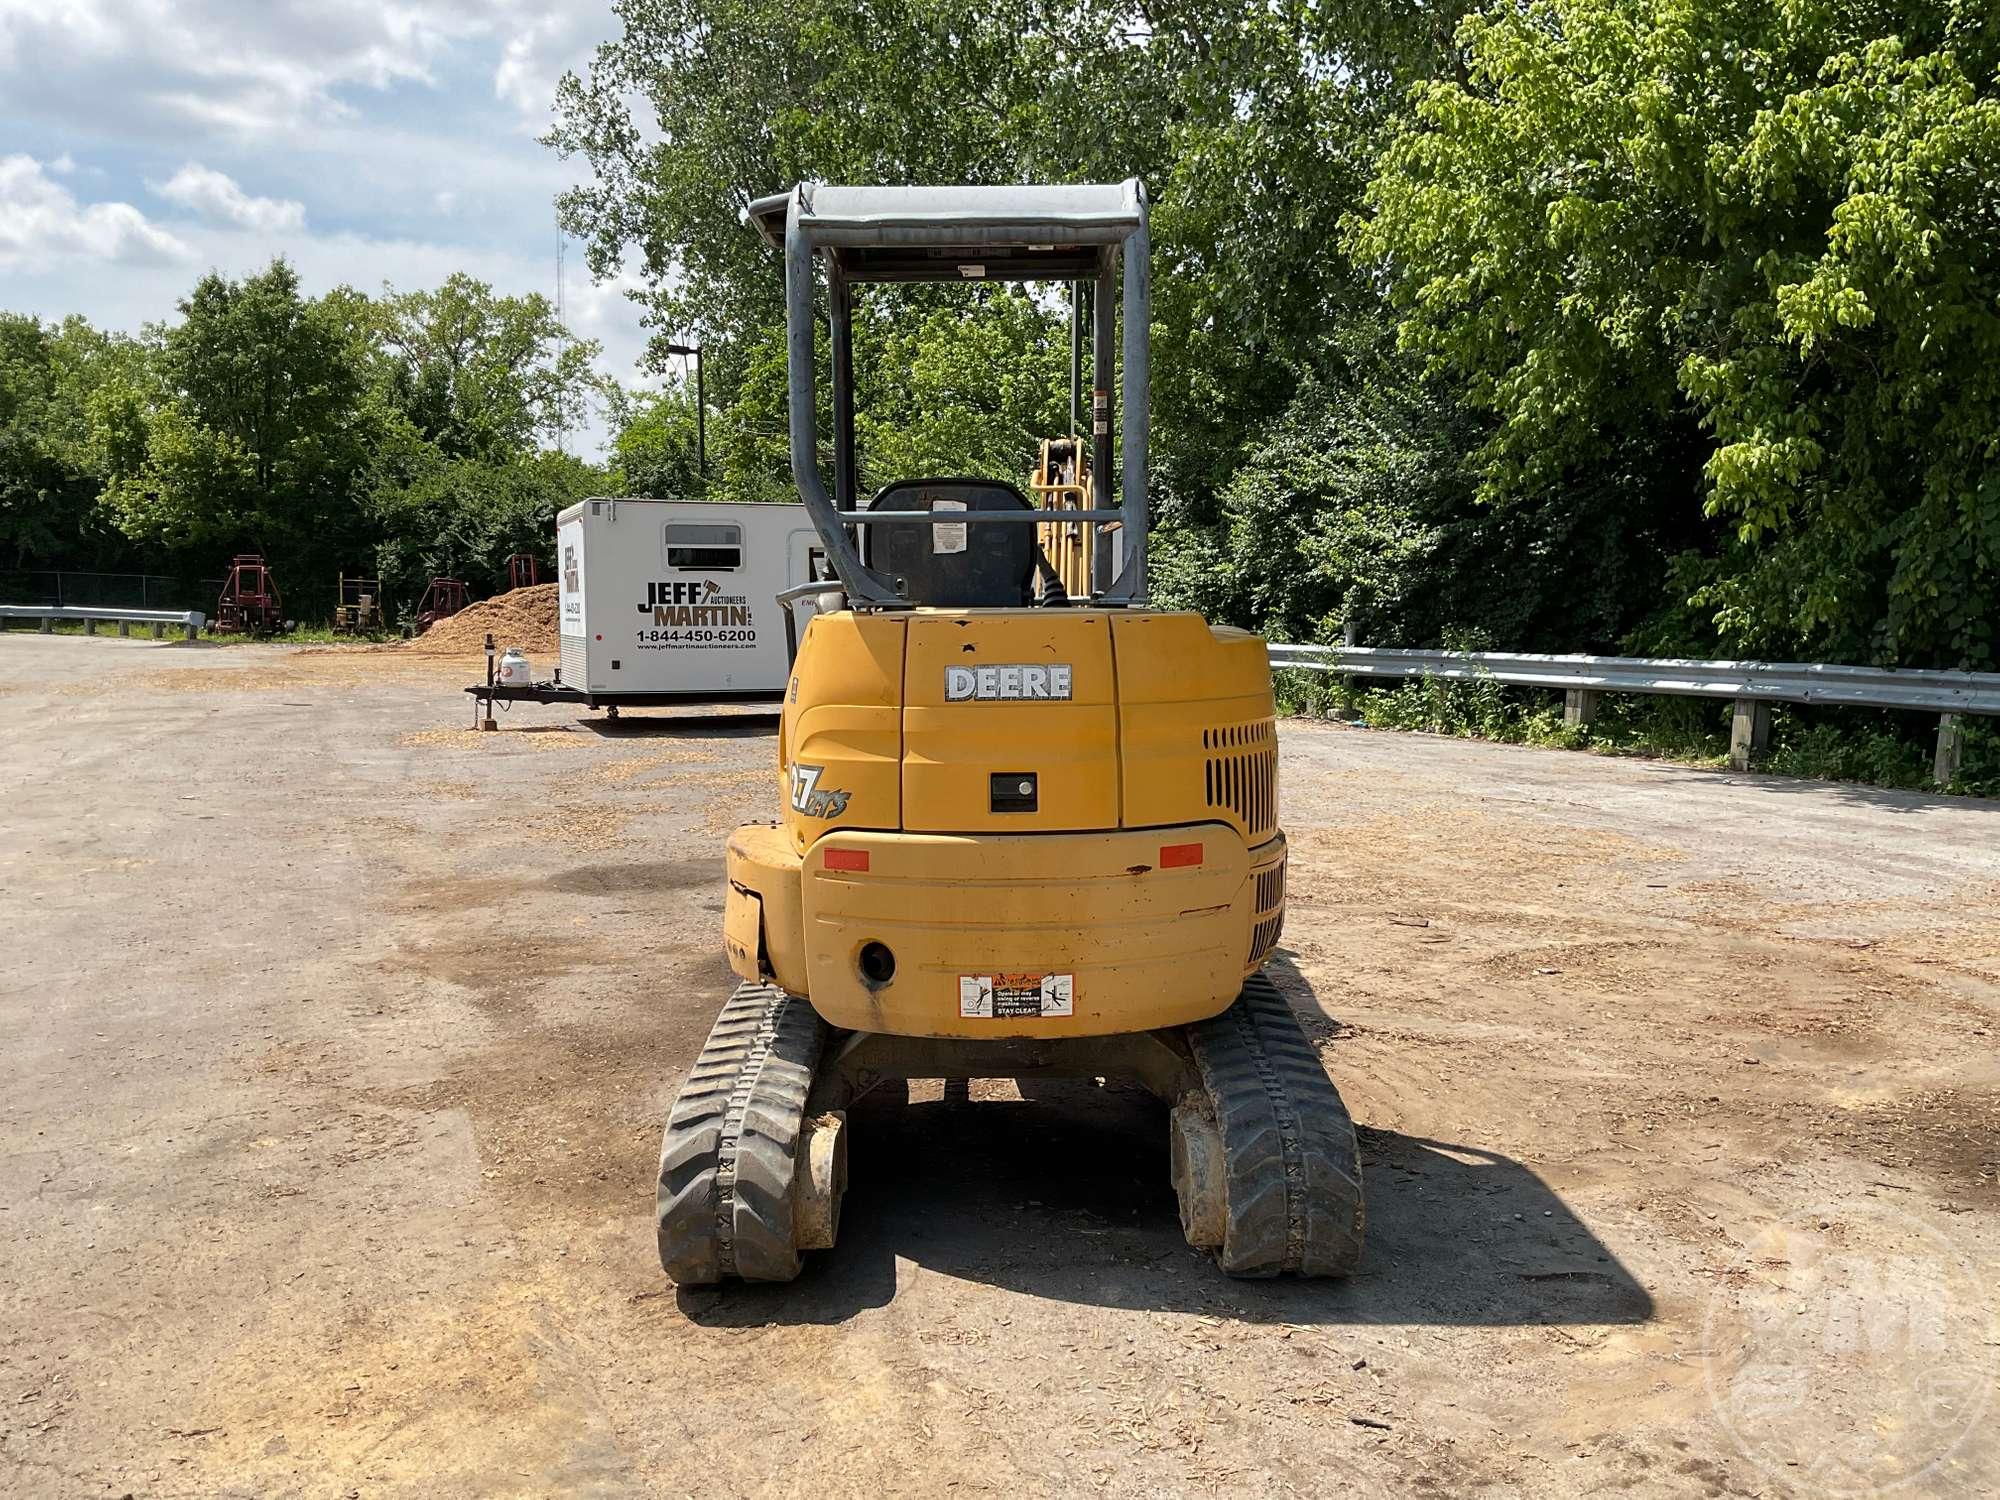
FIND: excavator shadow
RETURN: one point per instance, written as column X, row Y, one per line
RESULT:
column 1064, row 1194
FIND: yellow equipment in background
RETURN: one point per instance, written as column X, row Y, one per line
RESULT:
column 1061, row 481
column 1030, row 824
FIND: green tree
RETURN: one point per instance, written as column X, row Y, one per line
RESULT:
column 967, row 387
column 657, row 447
column 196, row 487
column 483, row 376
column 1740, row 261
column 250, row 428
column 273, row 373
column 945, row 384
column 463, row 518
column 323, row 430
column 1359, row 508
column 1348, row 512
column 43, row 500
column 1250, row 124
column 748, row 96
column 50, row 471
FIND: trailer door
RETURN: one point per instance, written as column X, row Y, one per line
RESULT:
column 572, row 625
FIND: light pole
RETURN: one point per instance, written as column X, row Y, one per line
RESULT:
column 700, row 408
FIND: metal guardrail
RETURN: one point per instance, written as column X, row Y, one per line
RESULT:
column 1753, row 686
column 190, row 620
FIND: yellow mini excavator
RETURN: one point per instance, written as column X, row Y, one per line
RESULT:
column 1030, row 824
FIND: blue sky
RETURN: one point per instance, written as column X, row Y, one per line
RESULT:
column 143, row 142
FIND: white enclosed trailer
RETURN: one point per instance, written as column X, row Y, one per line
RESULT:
column 666, row 601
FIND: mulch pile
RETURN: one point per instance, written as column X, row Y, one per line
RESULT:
column 522, row 617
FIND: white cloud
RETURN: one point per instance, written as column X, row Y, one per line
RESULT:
column 281, row 65
column 216, row 197
column 407, row 125
column 41, row 224
column 539, row 51
column 265, row 65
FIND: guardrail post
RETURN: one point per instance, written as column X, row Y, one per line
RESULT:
column 124, row 630
column 1950, row 748
column 1579, row 707
column 48, row 625
column 1347, row 713
column 190, row 629
column 1749, row 731
column 90, row 627
column 159, row 631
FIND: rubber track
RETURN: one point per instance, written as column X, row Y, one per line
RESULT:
column 727, row 1159
column 1294, row 1171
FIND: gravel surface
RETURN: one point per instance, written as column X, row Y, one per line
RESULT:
column 339, row 1038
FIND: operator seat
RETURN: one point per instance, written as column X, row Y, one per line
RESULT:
column 971, row 567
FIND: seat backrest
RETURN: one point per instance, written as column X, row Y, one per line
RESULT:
column 954, row 567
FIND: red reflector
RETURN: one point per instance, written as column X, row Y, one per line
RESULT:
column 1174, row 855
column 850, row 859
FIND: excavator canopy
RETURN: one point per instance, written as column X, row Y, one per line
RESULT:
column 1056, row 232
column 1050, row 233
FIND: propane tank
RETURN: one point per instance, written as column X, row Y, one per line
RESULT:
column 514, row 669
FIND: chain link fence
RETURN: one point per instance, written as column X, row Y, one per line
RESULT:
column 71, row 588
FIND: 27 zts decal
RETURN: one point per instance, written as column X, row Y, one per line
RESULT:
column 811, row 799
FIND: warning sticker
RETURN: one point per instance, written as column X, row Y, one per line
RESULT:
column 947, row 537
column 999, row 997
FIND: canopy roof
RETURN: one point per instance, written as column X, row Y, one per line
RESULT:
column 1050, row 232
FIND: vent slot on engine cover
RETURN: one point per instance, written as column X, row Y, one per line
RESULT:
column 1270, row 913
column 1242, row 775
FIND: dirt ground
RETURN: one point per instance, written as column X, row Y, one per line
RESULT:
column 338, row 1039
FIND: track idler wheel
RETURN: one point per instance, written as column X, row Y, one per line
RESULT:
column 1264, row 1159
column 1200, row 1173
column 746, row 1180
column 819, row 1182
